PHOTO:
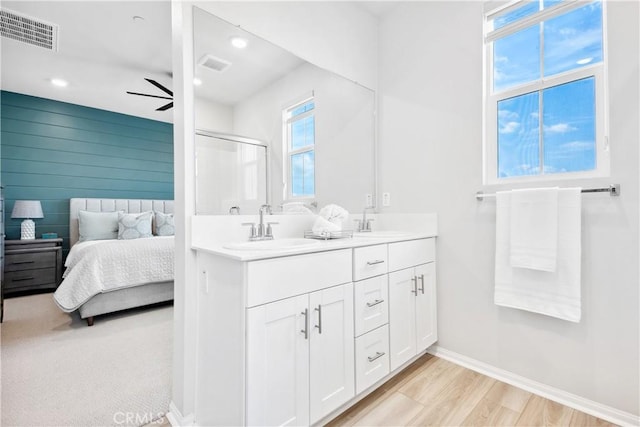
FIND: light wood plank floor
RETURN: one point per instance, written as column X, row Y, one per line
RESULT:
column 435, row 392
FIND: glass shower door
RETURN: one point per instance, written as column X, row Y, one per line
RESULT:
column 231, row 174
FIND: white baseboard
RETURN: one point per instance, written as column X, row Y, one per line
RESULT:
column 176, row 419
column 571, row 400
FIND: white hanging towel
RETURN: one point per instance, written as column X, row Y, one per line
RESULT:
column 553, row 293
column 534, row 228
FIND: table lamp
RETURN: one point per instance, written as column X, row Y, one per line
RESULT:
column 28, row 209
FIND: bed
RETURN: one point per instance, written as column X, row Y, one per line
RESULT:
column 92, row 286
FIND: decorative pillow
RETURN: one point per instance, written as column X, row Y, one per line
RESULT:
column 165, row 224
column 97, row 225
column 134, row 225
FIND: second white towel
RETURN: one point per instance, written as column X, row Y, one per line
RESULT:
column 534, row 228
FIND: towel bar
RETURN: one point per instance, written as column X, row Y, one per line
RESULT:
column 613, row 190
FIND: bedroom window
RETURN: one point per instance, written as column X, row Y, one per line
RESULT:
column 545, row 91
column 299, row 146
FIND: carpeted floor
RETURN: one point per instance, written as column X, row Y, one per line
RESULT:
column 56, row 371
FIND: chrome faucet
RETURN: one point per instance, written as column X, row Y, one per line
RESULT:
column 261, row 231
column 364, row 224
column 261, row 228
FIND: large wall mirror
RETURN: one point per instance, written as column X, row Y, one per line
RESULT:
column 318, row 127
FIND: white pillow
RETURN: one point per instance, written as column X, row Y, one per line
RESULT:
column 165, row 224
column 134, row 225
column 97, row 225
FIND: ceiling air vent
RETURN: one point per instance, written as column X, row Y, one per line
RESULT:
column 214, row 63
column 28, row 30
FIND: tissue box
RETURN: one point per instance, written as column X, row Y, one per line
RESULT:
column 49, row 235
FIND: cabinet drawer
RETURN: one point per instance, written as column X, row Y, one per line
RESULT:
column 411, row 253
column 28, row 261
column 372, row 357
column 29, row 278
column 371, row 304
column 369, row 261
column 278, row 278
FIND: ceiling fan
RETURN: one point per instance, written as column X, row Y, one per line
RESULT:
column 162, row 88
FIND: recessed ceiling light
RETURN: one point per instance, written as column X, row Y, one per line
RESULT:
column 197, row 81
column 584, row 61
column 238, row 42
column 59, row 82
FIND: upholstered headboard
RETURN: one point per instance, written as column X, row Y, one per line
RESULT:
column 111, row 205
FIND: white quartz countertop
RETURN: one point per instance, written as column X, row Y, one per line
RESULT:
column 219, row 234
column 315, row 245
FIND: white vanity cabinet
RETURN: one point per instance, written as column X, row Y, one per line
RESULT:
column 294, row 339
column 275, row 339
column 300, row 357
column 412, row 299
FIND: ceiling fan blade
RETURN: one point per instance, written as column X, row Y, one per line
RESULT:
column 150, row 96
column 159, row 86
column 165, row 107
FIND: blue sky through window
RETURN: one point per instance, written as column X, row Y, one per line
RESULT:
column 301, row 147
column 302, row 174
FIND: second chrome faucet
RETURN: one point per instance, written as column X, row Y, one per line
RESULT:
column 262, row 230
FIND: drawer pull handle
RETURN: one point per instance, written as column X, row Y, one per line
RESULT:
column 378, row 261
column 305, row 331
column 376, row 302
column 377, row 356
column 24, row 262
column 23, row 279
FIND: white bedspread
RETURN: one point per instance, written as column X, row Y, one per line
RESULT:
column 99, row 266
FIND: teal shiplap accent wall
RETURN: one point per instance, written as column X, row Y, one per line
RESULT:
column 53, row 151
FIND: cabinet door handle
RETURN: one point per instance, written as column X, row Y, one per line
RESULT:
column 377, row 356
column 319, row 325
column 376, row 302
column 414, row 291
column 422, row 282
column 378, row 261
column 305, row 331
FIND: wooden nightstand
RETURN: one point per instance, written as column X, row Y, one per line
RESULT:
column 32, row 265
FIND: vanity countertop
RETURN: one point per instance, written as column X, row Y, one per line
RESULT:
column 314, row 246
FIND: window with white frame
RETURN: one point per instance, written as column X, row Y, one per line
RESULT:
column 299, row 146
column 545, row 91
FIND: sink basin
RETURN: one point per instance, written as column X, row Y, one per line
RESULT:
column 276, row 244
column 382, row 234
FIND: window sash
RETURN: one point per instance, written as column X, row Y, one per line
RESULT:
column 536, row 18
column 602, row 143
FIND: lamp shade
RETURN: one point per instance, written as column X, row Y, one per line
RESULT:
column 27, row 209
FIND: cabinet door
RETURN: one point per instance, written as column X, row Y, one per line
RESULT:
column 402, row 316
column 332, row 371
column 278, row 363
column 426, row 306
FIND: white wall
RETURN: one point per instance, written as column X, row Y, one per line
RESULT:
column 431, row 161
column 213, row 116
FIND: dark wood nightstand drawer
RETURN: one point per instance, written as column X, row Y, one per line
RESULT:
column 32, row 265
column 29, row 261
column 43, row 277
